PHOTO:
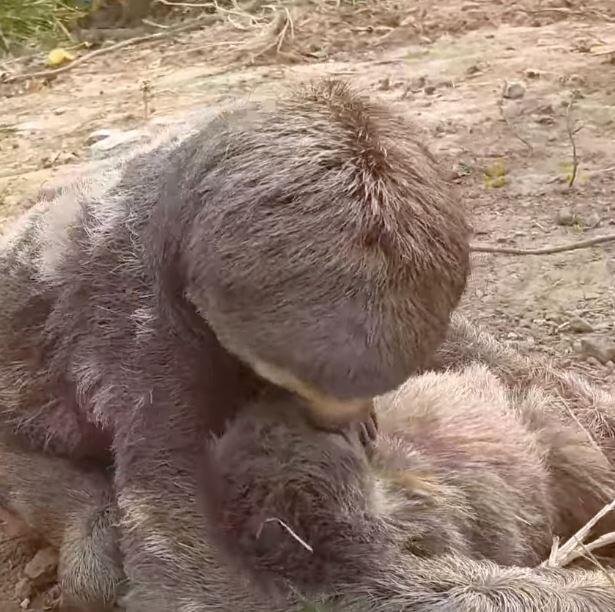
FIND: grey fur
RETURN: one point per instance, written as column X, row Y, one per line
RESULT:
column 470, row 478
column 311, row 241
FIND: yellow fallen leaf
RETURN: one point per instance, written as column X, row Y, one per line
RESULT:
column 496, row 169
column 496, row 182
column 57, row 57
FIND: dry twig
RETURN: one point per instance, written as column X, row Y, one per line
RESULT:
column 185, row 27
column 507, row 121
column 573, row 246
column 287, row 528
column 571, row 130
column 146, row 91
column 247, row 13
column 561, row 556
column 589, row 555
column 183, row 4
column 276, row 32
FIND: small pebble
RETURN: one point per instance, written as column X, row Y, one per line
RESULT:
column 592, row 220
column 23, row 589
column 514, row 90
column 385, row 84
column 579, row 325
column 566, row 217
column 545, row 120
column 577, row 80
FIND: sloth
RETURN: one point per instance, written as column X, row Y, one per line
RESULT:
column 310, row 244
column 477, row 466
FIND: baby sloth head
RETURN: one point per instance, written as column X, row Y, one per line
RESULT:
column 292, row 503
column 329, row 251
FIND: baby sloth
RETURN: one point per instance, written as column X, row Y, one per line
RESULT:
column 463, row 474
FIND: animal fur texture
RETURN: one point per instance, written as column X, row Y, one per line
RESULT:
column 471, row 465
column 309, row 242
column 476, row 468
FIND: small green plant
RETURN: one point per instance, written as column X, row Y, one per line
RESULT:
column 463, row 169
column 36, row 22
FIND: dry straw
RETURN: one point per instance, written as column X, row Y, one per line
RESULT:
column 27, row 22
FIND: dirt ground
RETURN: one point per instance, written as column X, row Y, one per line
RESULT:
column 489, row 82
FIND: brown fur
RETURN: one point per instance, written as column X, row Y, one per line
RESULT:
column 311, row 241
column 463, row 466
column 469, row 481
column 568, row 396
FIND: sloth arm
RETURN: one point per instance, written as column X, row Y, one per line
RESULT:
column 457, row 584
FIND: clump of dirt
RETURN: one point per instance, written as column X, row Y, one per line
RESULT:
column 28, row 570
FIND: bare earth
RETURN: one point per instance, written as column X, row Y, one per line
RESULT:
column 445, row 63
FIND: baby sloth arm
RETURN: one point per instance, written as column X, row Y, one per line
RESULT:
column 73, row 509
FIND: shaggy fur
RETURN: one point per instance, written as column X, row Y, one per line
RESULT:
column 74, row 509
column 467, row 464
column 472, row 475
column 310, row 242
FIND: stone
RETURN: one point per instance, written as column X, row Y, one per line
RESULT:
column 592, row 220
column 576, row 80
column 117, row 141
column 514, row 90
column 41, row 569
column 23, row 589
column 578, row 325
column 601, row 348
column 545, row 120
column 417, row 84
column 566, row 217
column 98, row 135
column 30, row 126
